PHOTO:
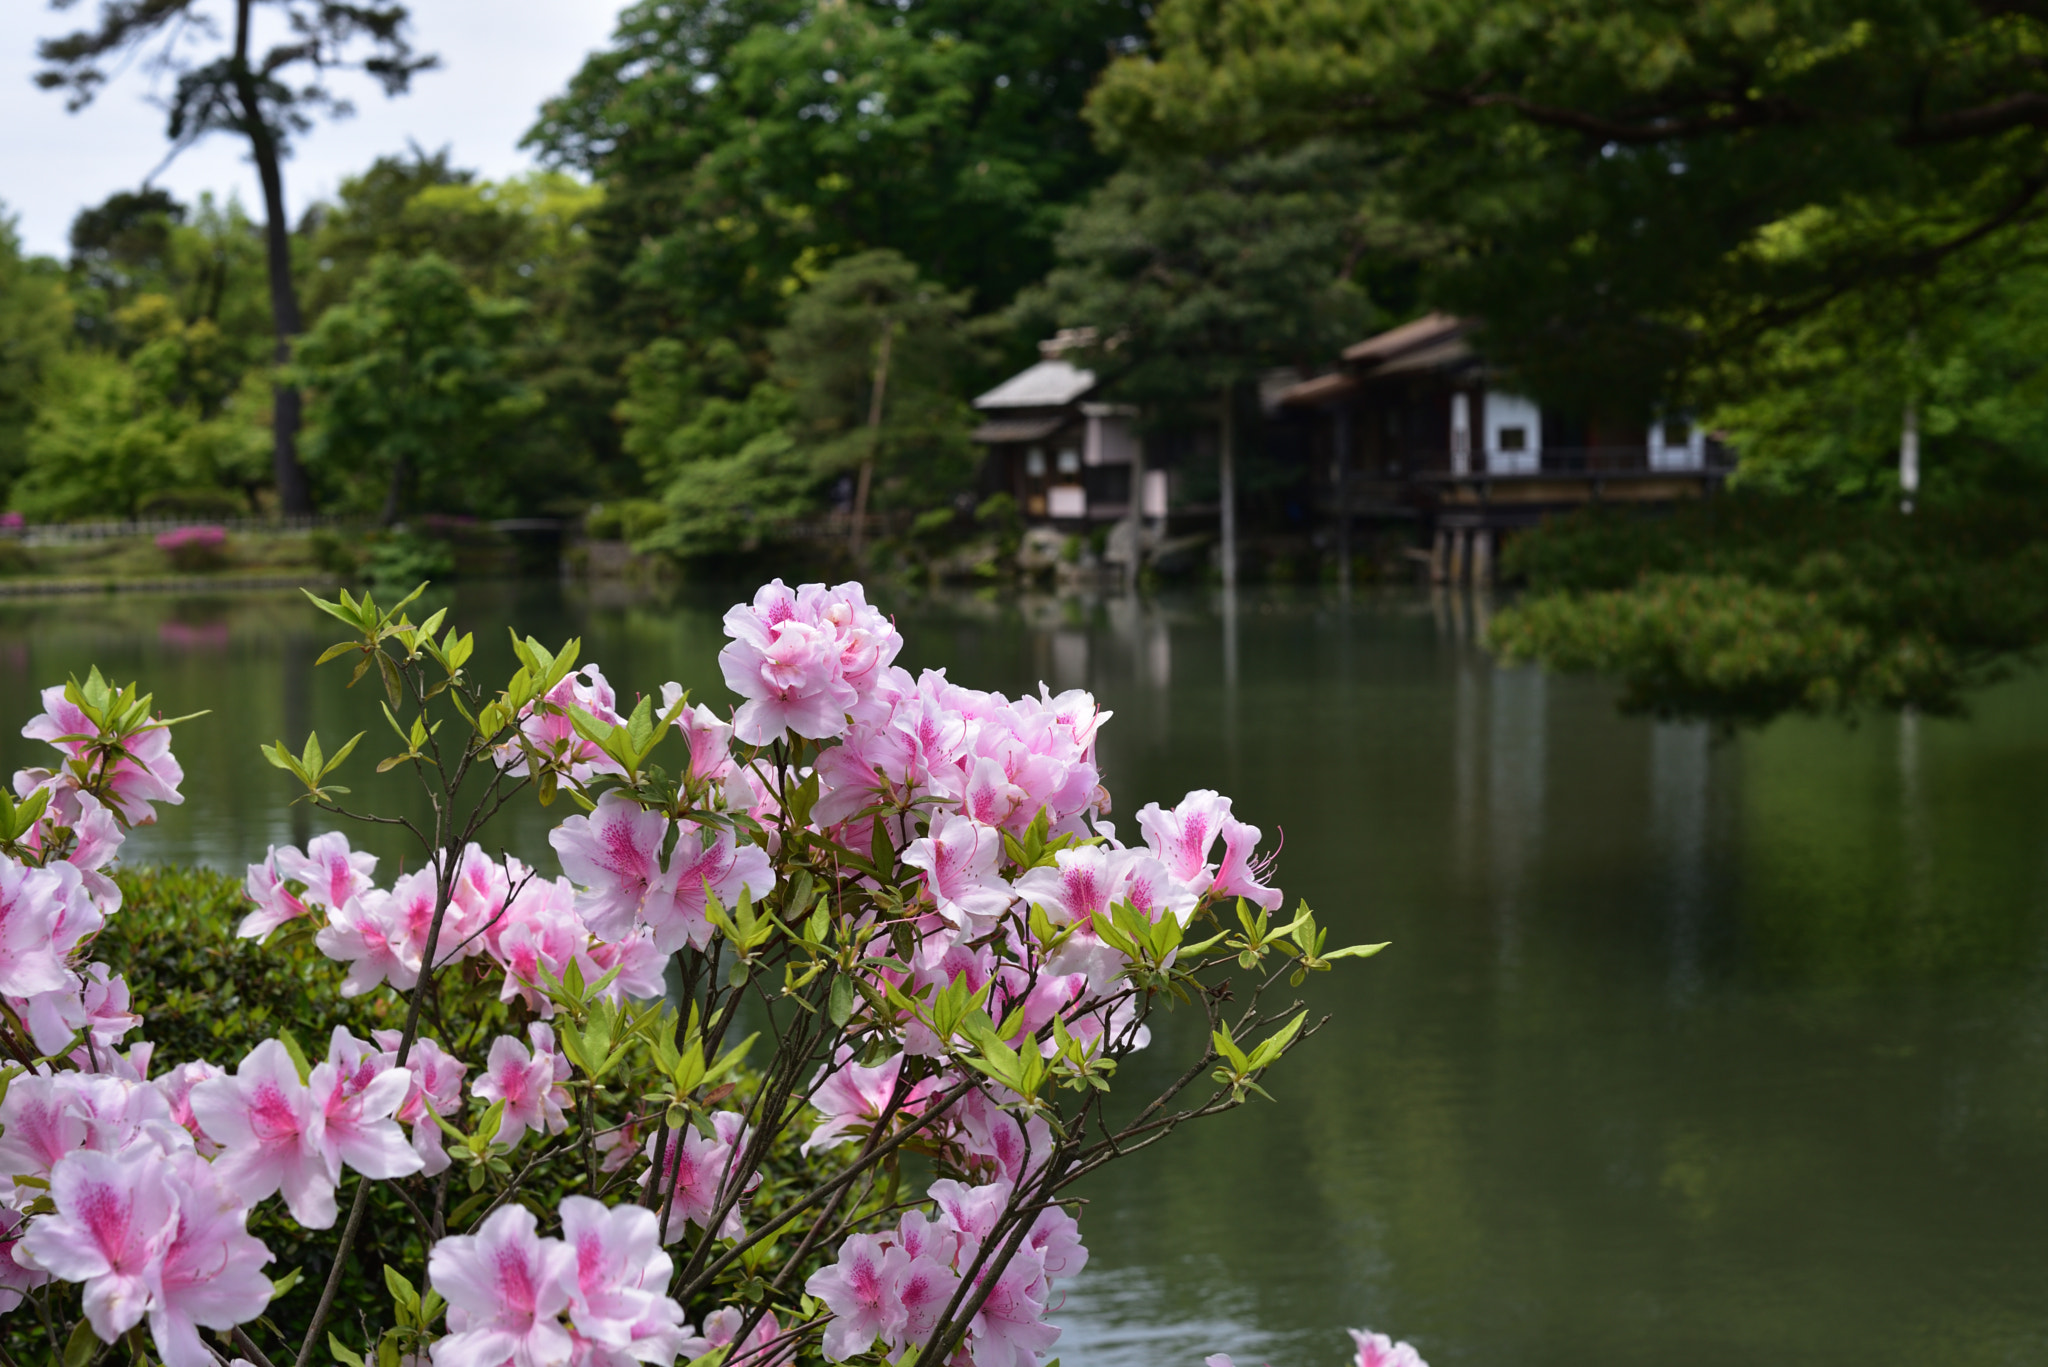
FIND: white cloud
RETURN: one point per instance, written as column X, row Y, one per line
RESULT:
column 499, row 60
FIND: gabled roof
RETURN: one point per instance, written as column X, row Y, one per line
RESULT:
column 1049, row 384
column 1431, row 327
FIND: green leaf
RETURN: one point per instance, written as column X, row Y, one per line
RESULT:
column 280, row 1285
column 342, row 1353
column 83, row 1343
column 401, row 1290
column 298, row 1055
column 840, row 1008
column 1357, row 951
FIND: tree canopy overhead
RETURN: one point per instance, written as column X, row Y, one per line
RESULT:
column 1630, row 186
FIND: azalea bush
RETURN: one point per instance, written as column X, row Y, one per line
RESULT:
column 800, row 1057
column 194, row 548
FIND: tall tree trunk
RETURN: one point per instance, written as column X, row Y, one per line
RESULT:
column 294, row 498
column 867, row 461
column 1226, row 476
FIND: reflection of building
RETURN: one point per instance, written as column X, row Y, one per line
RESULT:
column 1061, row 455
column 1412, row 424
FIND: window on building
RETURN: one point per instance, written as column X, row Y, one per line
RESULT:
column 1070, row 461
column 1514, row 438
column 1034, row 462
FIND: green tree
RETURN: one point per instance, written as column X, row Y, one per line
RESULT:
column 410, row 390
column 526, row 239
column 1194, row 275
column 35, row 324
column 1631, row 189
column 249, row 96
column 749, row 142
column 864, row 388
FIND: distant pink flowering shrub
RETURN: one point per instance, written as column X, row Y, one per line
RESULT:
column 194, row 548
column 909, row 886
column 1369, row 1350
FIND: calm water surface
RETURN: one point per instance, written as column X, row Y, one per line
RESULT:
column 1686, row 1052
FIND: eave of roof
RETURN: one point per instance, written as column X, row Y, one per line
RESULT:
column 1321, row 389
column 1429, row 328
column 997, row 431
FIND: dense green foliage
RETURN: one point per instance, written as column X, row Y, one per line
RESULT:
column 410, row 389
column 1624, row 189
column 1753, row 606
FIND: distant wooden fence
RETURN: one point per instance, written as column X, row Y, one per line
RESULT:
column 70, row 533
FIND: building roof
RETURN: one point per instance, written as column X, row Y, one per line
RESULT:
column 1443, row 353
column 1431, row 327
column 999, row 430
column 1321, row 389
column 1049, row 384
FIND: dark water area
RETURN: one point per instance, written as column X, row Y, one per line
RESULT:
column 1688, row 1049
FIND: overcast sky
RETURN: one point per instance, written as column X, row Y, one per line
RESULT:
column 499, row 60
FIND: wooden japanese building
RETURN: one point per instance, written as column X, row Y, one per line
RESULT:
column 1066, row 457
column 1414, row 426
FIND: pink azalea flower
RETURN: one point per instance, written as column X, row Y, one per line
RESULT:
column 506, row 1288
column 959, row 858
column 359, row 1093
column 528, row 1084
column 275, row 903
column 149, row 773
column 331, row 871
column 367, row 933
column 115, row 1215
column 971, row 1212
column 620, row 1302
column 1182, row 837
column 851, row 1096
column 699, row 1166
column 708, row 736
column 550, row 733
column 614, row 854
column 436, row 1089
column 859, row 1290
column 39, row 1124
column 209, row 1273
column 95, row 1001
column 1377, row 1350
column 1239, row 873
column 278, row 1133
column 640, row 963
column 17, row 1278
column 95, row 838
column 176, row 1087
column 1010, row 1329
column 722, row 1326
column 32, row 901
column 675, row 909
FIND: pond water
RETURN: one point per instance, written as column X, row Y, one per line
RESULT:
column 1687, row 1050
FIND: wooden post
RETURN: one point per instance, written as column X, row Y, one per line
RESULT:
column 1226, row 475
column 1439, row 556
column 1458, row 540
column 1909, row 456
column 1341, row 465
column 1482, row 558
column 867, row 460
column 1137, row 514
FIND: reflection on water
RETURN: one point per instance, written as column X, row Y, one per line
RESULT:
column 1687, row 1050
